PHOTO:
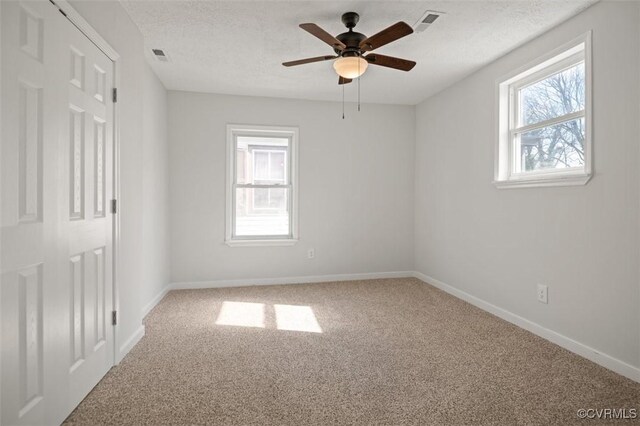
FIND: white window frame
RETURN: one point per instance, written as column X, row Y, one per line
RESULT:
column 506, row 174
column 291, row 133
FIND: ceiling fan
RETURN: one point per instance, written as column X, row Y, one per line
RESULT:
column 350, row 48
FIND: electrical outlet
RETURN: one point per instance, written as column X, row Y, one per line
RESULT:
column 543, row 293
column 311, row 253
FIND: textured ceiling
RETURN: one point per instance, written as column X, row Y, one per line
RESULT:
column 237, row 47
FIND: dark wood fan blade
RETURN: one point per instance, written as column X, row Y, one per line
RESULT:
column 308, row 60
column 342, row 80
column 390, row 62
column 315, row 30
column 386, row 36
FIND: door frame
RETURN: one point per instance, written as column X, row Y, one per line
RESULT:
column 85, row 28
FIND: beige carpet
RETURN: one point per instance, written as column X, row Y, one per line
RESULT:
column 393, row 352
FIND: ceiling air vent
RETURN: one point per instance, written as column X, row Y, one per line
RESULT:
column 160, row 55
column 427, row 19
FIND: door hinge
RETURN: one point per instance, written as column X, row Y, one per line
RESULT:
column 114, row 206
column 115, row 95
column 114, row 317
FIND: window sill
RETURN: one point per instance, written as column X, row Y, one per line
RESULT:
column 261, row 243
column 543, row 181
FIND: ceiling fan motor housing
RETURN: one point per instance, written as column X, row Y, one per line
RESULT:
column 352, row 40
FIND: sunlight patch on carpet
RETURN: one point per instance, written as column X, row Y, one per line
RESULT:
column 242, row 314
column 296, row 318
column 287, row 317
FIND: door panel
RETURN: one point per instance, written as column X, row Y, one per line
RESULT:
column 29, row 257
column 87, row 225
column 55, row 237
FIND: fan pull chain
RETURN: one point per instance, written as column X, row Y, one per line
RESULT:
column 358, row 86
column 358, row 94
column 343, row 101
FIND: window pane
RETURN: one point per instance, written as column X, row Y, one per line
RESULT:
column 262, row 211
column 241, row 165
column 261, row 159
column 260, row 198
column 554, row 147
column 557, row 95
column 271, row 198
column 277, row 166
column 253, row 163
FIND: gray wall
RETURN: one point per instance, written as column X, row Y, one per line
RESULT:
column 355, row 188
column 583, row 242
column 155, row 191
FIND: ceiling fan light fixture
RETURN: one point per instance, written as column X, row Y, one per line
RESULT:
column 350, row 66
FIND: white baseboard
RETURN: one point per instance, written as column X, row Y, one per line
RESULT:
column 130, row 343
column 289, row 280
column 578, row 348
column 152, row 304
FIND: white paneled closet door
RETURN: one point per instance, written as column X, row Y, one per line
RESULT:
column 87, row 152
column 56, row 234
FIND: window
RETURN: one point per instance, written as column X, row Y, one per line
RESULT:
column 544, row 122
column 262, row 187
